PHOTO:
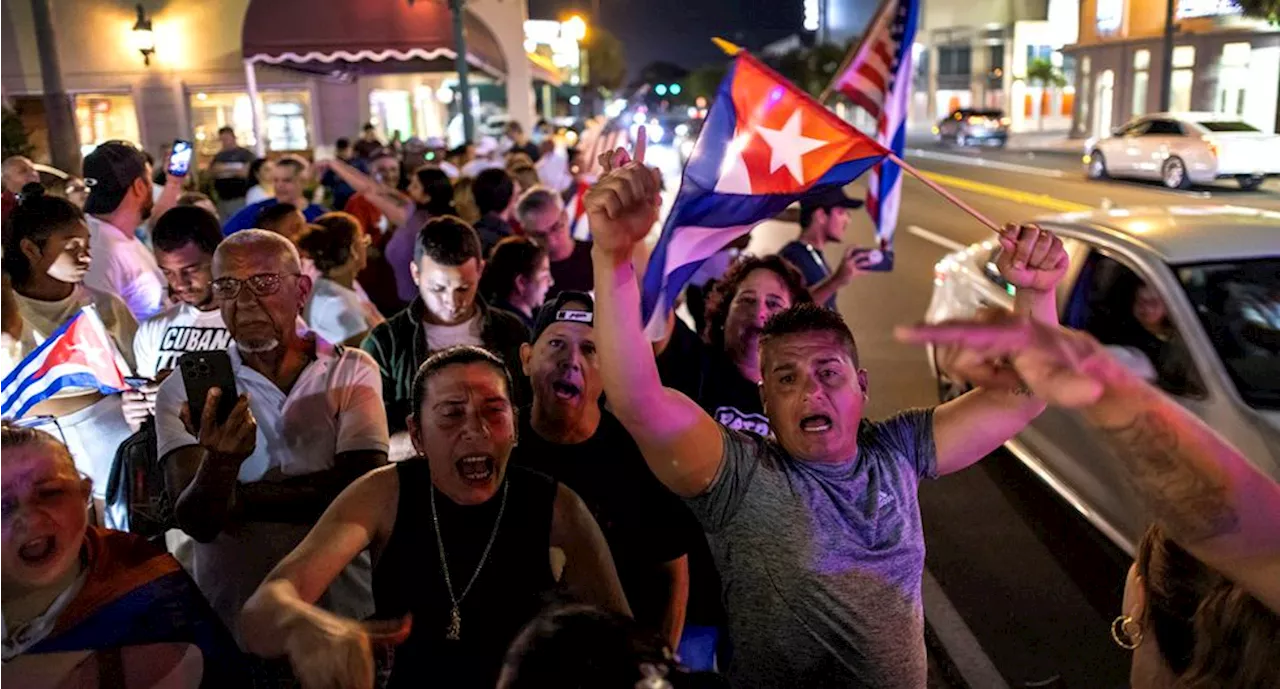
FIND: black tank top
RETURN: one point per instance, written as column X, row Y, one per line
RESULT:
column 512, row 587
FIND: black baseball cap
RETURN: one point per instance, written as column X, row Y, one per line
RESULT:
column 556, row 312
column 109, row 171
column 831, row 197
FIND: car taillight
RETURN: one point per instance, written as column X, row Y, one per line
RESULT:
column 1213, row 145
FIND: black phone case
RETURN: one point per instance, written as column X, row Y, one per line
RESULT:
column 202, row 371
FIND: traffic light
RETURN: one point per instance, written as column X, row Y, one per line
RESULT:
column 660, row 89
column 675, row 89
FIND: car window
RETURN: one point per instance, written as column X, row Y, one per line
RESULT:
column 1135, row 129
column 1238, row 303
column 1114, row 304
column 1163, row 128
column 1228, row 127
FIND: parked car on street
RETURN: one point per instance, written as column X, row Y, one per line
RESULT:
column 1186, row 148
column 1189, row 298
column 969, row 126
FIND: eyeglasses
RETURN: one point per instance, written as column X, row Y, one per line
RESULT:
column 261, row 285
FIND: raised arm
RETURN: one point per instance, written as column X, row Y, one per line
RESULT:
column 280, row 619
column 840, row 278
column 391, row 206
column 1199, row 487
column 681, row 442
column 203, row 475
column 973, row 425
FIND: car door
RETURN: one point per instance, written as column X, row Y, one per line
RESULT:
column 1125, row 147
column 1154, row 145
column 1059, row 445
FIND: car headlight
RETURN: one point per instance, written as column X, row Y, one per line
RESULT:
column 655, row 132
column 935, row 129
column 682, row 130
column 686, row 148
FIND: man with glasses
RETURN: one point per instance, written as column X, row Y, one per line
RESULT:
column 308, row 422
column 542, row 215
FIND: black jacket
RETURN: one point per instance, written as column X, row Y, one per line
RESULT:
column 400, row 346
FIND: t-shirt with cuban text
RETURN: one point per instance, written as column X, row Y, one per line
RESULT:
column 822, row 563
column 175, row 331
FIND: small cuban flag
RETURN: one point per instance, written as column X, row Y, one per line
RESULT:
column 79, row 355
column 765, row 145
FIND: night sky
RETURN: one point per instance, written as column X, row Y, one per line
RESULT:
column 680, row 31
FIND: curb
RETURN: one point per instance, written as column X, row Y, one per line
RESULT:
column 958, row 652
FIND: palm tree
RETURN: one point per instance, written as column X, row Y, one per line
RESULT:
column 1042, row 71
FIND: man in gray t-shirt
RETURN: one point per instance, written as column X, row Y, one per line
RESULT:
column 821, row 563
column 816, row 530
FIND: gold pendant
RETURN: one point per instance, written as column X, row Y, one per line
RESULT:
column 455, row 625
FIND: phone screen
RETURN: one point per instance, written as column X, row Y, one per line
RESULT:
column 180, row 159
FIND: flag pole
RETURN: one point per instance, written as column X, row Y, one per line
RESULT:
column 994, row 227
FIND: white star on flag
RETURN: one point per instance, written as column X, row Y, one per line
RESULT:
column 787, row 146
column 91, row 353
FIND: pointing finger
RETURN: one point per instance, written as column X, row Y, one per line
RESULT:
column 642, row 139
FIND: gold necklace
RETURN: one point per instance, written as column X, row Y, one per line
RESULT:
column 454, row 632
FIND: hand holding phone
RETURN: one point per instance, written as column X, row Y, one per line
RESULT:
column 214, row 413
column 873, row 260
column 180, row 158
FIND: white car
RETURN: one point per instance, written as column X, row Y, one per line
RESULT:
column 1205, row 280
column 1185, row 148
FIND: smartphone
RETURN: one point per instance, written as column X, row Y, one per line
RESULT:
column 203, row 371
column 874, row 259
column 180, row 158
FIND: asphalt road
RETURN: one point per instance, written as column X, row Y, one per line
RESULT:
column 1036, row 585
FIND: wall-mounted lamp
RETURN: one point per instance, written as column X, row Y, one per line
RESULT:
column 144, row 39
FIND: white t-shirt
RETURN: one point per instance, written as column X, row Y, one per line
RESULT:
column 335, row 406
column 444, row 336
column 334, row 312
column 179, row 329
column 124, row 266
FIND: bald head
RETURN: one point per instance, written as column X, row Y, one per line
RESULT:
column 263, row 248
column 17, row 171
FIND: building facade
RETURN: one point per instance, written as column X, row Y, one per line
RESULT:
column 210, row 58
column 976, row 55
column 1221, row 63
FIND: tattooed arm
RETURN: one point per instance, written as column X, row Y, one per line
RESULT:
column 1198, row 486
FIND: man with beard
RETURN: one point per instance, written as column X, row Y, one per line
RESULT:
column 119, row 201
column 462, row 540
column 308, row 422
column 567, row 435
column 816, row 530
column 184, row 240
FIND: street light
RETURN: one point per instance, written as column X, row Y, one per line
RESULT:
column 142, row 37
column 574, row 28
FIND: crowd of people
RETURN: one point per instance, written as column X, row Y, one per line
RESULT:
column 452, row 457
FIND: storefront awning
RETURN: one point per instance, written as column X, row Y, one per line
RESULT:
column 543, row 69
column 368, row 36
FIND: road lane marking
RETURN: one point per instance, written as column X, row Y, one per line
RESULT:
column 1024, row 197
column 944, row 242
column 959, row 644
column 984, row 162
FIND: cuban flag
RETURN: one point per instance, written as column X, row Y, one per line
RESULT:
column 765, row 145
column 78, row 355
column 877, row 77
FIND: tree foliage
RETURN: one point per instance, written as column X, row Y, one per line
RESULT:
column 812, row 69
column 1261, row 9
column 606, row 59
column 14, row 135
column 1041, row 71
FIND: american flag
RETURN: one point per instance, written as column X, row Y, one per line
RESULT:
column 877, row 78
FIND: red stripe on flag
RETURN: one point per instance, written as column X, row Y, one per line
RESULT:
column 873, row 75
column 882, row 49
column 863, row 100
